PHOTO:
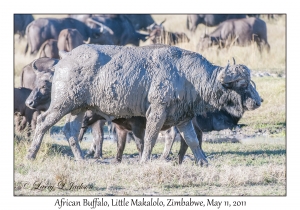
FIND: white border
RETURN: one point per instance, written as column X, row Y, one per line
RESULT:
column 152, row 6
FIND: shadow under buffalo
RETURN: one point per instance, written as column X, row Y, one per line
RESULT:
column 63, row 150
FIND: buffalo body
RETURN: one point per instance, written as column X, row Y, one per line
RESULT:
column 49, row 49
column 68, row 39
column 43, row 29
column 167, row 85
column 239, row 32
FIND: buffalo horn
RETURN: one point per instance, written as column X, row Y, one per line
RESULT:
column 227, row 75
column 33, row 65
column 162, row 22
column 233, row 60
column 87, row 41
column 253, row 84
column 102, row 26
column 97, row 23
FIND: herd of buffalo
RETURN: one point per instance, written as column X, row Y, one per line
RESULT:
column 91, row 69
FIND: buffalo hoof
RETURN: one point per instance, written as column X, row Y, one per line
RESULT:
column 202, row 163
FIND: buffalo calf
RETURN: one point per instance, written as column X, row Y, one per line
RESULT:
column 23, row 115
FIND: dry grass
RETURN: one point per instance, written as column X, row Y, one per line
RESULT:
column 273, row 109
column 235, row 169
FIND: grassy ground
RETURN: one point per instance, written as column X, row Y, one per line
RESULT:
column 235, row 168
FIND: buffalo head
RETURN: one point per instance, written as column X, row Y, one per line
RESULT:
column 154, row 26
column 100, row 34
column 239, row 90
column 40, row 96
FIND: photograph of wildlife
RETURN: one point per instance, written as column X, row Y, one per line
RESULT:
column 149, row 104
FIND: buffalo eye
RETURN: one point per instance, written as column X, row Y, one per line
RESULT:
column 228, row 85
column 241, row 83
column 96, row 35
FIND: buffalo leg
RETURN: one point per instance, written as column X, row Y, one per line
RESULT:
column 71, row 131
column 189, row 135
column 44, row 122
column 199, row 133
column 109, row 128
column 139, row 135
column 92, row 149
column 182, row 150
column 98, row 135
column 34, row 120
column 121, row 142
column 23, row 123
column 156, row 117
column 169, row 140
column 184, row 146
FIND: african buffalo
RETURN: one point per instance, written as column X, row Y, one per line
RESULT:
column 49, row 49
column 158, row 36
column 68, row 39
column 212, row 121
column 194, row 20
column 123, row 126
column 140, row 21
column 165, row 84
column 123, row 30
column 23, row 115
column 21, row 21
column 28, row 75
column 39, row 99
column 237, row 31
column 42, row 29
